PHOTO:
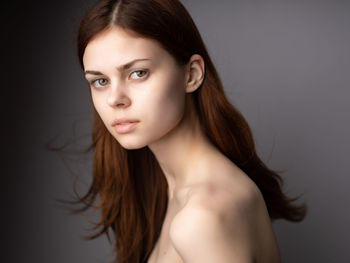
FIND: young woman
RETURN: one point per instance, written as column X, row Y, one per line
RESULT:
column 175, row 166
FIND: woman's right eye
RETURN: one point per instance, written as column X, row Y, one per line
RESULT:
column 98, row 83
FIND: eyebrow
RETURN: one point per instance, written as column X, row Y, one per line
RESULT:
column 120, row 68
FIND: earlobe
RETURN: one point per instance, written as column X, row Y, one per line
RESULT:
column 195, row 73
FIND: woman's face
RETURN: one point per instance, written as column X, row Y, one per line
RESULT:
column 151, row 90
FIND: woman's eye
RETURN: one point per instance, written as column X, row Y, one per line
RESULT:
column 97, row 83
column 139, row 74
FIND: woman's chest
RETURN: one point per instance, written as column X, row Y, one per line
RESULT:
column 164, row 250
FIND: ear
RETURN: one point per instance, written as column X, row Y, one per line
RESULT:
column 195, row 73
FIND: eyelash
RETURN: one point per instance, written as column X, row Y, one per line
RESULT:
column 141, row 70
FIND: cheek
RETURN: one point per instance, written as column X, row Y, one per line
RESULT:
column 97, row 105
column 166, row 109
column 102, row 110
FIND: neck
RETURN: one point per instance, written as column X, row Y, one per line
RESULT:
column 182, row 153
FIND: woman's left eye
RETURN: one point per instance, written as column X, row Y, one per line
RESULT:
column 139, row 73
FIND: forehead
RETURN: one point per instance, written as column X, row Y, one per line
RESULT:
column 118, row 46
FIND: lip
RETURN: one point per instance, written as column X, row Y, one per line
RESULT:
column 125, row 128
column 121, row 120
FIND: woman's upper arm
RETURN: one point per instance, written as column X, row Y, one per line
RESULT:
column 224, row 234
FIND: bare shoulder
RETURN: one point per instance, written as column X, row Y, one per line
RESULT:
column 223, row 198
column 220, row 222
column 215, row 225
column 232, row 193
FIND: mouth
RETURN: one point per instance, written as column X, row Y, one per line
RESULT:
column 125, row 127
column 123, row 121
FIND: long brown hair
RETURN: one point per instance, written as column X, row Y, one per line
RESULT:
column 130, row 184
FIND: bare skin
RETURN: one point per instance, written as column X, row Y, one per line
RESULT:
column 229, row 184
column 215, row 212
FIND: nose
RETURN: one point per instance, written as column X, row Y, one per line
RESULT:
column 117, row 97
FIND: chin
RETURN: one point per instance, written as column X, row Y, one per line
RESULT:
column 129, row 145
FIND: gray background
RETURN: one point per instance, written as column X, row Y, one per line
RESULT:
column 284, row 64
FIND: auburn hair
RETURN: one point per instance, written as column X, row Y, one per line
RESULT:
column 129, row 184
